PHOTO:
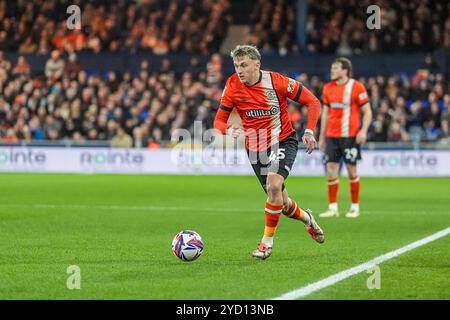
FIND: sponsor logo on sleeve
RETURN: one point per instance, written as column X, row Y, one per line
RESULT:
column 291, row 85
column 362, row 96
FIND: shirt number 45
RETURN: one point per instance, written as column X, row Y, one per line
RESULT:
column 277, row 156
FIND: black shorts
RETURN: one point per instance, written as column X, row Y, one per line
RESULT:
column 346, row 148
column 278, row 158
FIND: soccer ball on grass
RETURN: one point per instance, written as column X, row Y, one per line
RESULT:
column 187, row 245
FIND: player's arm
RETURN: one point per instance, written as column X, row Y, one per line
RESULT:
column 221, row 122
column 222, row 115
column 221, row 119
column 363, row 100
column 308, row 99
column 323, row 127
column 361, row 137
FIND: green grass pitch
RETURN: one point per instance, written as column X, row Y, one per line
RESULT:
column 118, row 229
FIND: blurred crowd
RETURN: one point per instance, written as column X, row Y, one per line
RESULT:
column 200, row 26
column 273, row 24
column 340, row 27
column 139, row 110
column 155, row 26
column 144, row 108
column 335, row 26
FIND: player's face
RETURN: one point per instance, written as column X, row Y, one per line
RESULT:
column 247, row 69
column 337, row 72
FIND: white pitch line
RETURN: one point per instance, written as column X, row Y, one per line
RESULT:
column 331, row 280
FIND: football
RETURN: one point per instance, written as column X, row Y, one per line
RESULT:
column 187, row 245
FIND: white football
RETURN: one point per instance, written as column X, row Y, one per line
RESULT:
column 187, row 245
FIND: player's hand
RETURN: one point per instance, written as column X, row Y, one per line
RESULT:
column 236, row 130
column 322, row 144
column 310, row 142
column 361, row 137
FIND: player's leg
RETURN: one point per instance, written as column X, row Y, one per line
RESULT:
column 274, row 204
column 287, row 202
column 272, row 212
column 333, row 156
column 354, row 191
column 352, row 156
column 291, row 208
column 281, row 159
column 293, row 211
column 333, row 188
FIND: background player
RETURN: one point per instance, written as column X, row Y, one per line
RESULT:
column 341, row 133
column 260, row 98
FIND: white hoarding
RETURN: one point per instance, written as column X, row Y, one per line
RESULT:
column 392, row 163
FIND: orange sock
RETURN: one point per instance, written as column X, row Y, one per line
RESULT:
column 354, row 189
column 272, row 213
column 294, row 212
column 333, row 187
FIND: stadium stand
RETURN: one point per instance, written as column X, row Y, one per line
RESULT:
column 67, row 101
column 158, row 26
column 405, row 26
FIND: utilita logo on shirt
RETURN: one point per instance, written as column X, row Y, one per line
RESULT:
column 262, row 113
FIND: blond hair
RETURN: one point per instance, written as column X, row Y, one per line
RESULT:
column 245, row 50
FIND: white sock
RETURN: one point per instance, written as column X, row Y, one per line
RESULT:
column 355, row 206
column 333, row 206
column 267, row 240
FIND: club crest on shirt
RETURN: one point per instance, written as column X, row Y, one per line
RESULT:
column 271, row 95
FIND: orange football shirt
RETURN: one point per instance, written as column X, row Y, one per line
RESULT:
column 344, row 102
